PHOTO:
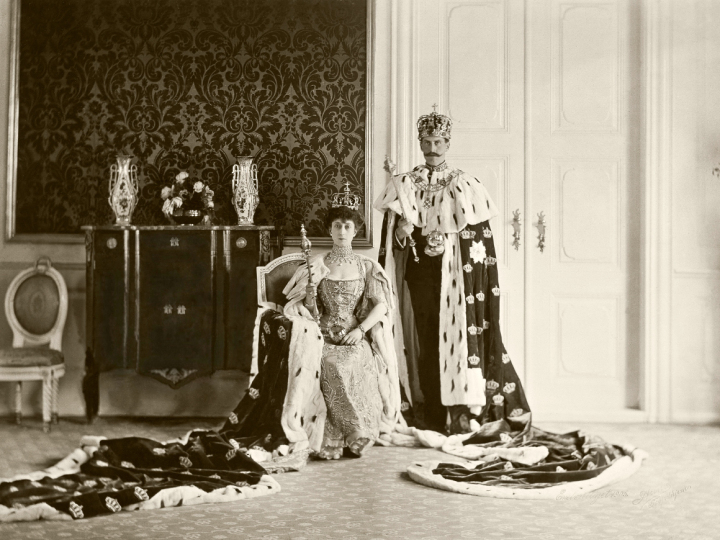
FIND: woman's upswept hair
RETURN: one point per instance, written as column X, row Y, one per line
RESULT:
column 344, row 213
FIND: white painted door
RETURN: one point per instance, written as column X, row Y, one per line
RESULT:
column 544, row 96
column 694, row 318
column 584, row 174
column 470, row 61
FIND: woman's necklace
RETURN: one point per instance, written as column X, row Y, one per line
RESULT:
column 341, row 255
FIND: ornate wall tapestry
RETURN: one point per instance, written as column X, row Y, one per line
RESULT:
column 189, row 85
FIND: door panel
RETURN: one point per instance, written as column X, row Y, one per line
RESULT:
column 583, row 165
column 694, row 373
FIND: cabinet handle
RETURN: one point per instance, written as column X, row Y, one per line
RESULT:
column 541, row 231
column 174, row 241
column 241, row 242
column 168, row 309
column 517, row 227
column 264, row 247
column 111, row 243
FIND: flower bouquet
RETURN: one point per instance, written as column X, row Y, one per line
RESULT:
column 187, row 202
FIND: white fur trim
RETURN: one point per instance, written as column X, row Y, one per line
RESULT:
column 34, row 512
column 303, row 398
column 527, row 455
column 423, row 437
column 190, row 495
column 387, row 368
column 70, row 464
column 255, row 345
column 622, row 468
column 453, row 352
column 469, row 204
column 396, row 318
column 476, row 389
column 388, row 200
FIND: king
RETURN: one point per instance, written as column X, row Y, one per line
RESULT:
column 458, row 369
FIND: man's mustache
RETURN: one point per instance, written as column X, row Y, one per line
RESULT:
column 432, row 154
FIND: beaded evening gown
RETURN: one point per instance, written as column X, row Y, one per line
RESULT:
column 349, row 376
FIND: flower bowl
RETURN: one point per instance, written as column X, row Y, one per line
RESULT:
column 186, row 202
column 187, row 217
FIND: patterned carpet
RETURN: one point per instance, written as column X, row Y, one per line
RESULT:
column 675, row 495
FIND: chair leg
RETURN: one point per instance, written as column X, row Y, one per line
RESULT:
column 18, row 402
column 55, row 389
column 47, row 401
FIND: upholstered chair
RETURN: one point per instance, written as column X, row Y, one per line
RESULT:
column 272, row 279
column 36, row 308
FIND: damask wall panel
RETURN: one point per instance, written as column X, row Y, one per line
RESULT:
column 189, row 85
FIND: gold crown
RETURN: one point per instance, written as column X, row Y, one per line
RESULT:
column 345, row 198
column 434, row 125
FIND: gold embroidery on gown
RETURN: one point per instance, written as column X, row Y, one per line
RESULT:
column 348, row 378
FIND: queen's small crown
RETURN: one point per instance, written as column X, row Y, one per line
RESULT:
column 434, row 125
column 346, row 198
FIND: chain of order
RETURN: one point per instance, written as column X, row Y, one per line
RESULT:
column 432, row 188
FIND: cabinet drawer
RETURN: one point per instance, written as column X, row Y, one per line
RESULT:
column 111, row 298
column 176, row 299
column 241, row 294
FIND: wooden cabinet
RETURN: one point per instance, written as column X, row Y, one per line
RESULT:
column 174, row 303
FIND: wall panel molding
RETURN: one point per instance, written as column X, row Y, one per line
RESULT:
column 579, row 321
column 461, row 13
column 589, row 232
column 586, row 74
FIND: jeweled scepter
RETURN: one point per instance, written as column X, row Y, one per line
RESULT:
column 305, row 246
column 390, row 168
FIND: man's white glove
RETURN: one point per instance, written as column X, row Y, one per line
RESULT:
column 404, row 229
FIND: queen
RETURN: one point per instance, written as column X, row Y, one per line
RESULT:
column 348, row 297
column 327, row 371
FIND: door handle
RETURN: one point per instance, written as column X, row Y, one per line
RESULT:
column 517, row 228
column 541, row 231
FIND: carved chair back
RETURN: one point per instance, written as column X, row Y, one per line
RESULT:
column 273, row 277
column 36, row 305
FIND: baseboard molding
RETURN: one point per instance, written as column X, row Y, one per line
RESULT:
column 622, row 416
column 695, row 418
